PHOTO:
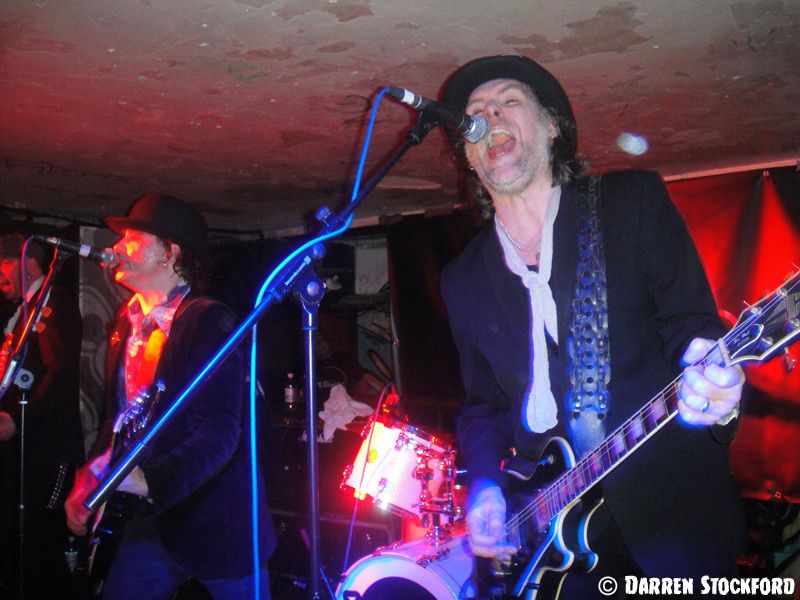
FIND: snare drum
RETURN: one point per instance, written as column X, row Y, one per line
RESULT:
column 388, row 462
column 416, row 570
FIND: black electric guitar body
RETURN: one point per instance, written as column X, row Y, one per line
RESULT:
column 559, row 495
column 549, row 547
column 109, row 522
column 106, row 535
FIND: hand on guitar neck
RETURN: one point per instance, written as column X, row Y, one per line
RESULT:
column 710, row 389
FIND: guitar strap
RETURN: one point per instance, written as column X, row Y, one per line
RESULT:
column 588, row 400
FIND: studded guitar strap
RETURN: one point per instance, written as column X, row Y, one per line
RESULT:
column 588, row 400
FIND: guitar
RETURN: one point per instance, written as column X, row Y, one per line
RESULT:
column 554, row 521
column 120, row 506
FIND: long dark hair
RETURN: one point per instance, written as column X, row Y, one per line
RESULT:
column 192, row 265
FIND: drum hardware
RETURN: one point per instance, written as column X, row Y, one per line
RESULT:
column 402, row 442
column 348, row 471
column 423, row 472
column 432, row 509
column 426, row 559
column 382, row 484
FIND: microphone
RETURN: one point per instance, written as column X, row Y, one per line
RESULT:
column 105, row 257
column 473, row 129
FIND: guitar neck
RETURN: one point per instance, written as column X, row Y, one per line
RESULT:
column 604, row 458
column 760, row 332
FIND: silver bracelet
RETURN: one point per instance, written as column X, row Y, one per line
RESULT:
column 729, row 417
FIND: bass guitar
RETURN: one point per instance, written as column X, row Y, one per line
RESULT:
column 551, row 526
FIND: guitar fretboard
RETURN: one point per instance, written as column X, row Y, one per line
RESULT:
column 762, row 330
column 598, row 463
column 632, row 434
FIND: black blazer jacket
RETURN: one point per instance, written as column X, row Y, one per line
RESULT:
column 197, row 467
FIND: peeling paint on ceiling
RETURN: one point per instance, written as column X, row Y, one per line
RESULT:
column 256, row 109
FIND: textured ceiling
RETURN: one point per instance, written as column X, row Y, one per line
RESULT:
column 255, row 110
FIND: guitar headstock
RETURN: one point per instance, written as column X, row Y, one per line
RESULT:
column 767, row 326
column 136, row 416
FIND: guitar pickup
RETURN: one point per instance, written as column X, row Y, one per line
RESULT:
column 793, row 306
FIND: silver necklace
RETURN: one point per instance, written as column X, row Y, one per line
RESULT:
column 532, row 248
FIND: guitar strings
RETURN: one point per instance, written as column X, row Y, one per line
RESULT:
column 557, row 495
column 549, row 502
column 552, row 495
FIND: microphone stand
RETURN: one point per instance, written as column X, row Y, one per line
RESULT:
column 23, row 379
column 310, row 295
column 292, row 277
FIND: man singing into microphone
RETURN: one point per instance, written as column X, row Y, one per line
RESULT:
column 579, row 300
column 51, row 430
column 192, row 513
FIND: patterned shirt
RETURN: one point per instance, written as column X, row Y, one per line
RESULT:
column 147, row 336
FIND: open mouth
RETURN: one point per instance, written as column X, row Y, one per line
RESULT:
column 500, row 142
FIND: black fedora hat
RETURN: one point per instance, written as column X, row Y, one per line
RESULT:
column 163, row 216
column 458, row 87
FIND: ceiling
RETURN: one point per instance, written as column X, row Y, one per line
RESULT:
column 255, row 110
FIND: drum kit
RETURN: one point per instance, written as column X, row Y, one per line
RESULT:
column 412, row 474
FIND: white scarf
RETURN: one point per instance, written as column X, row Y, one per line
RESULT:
column 539, row 410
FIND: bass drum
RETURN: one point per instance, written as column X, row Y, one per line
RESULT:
column 416, row 570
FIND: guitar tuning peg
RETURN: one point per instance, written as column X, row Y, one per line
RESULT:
column 788, row 360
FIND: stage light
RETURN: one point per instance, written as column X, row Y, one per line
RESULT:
column 632, row 143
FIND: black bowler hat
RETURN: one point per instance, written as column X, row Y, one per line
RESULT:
column 551, row 95
column 163, row 216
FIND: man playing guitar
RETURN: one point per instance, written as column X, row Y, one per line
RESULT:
column 190, row 495
column 579, row 301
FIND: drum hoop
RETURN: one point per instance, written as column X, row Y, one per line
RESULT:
column 448, row 574
column 393, row 424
